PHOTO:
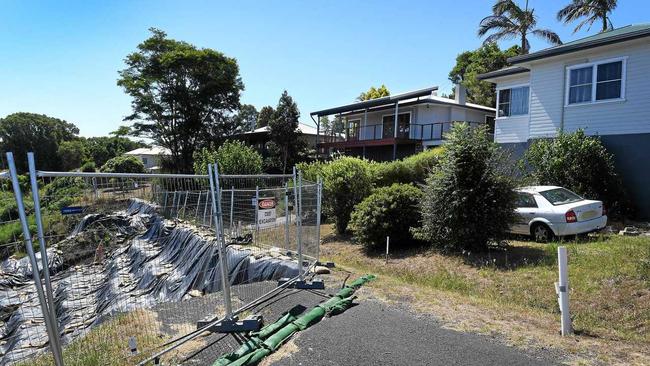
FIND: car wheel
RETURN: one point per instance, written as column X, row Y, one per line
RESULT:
column 541, row 233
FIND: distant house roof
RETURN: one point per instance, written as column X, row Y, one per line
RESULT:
column 389, row 100
column 302, row 128
column 621, row 34
column 422, row 96
column 154, row 150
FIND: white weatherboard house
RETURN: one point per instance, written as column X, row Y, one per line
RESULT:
column 150, row 156
column 399, row 125
column 600, row 84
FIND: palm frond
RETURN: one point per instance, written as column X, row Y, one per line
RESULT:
column 504, row 6
column 497, row 23
column 548, row 35
column 498, row 36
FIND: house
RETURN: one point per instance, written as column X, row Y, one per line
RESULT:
column 599, row 83
column 399, row 125
column 260, row 137
column 150, row 156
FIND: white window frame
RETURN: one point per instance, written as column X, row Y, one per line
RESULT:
column 496, row 113
column 393, row 114
column 594, row 81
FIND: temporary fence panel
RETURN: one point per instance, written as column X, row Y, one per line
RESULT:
column 133, row 260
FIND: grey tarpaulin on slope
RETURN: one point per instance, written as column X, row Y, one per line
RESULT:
column 161, row 264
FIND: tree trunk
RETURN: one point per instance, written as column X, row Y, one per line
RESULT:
column 523, row 44
column 605, row 23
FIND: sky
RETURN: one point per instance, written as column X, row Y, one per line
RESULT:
column 62, row 58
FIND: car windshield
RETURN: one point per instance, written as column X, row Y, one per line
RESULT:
column 560, row 196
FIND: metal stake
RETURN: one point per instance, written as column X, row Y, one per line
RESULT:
column 257, row 212
column 221, row 245
column 319, row 190
column 32, row 259
column 287, row 214
column 299, row 226
column 232, row 208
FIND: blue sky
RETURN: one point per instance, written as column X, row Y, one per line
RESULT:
column 61, row 58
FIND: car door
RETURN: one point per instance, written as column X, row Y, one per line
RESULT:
column 526, row 211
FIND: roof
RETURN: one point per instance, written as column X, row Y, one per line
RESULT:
column 510, row 70
column 154, row 150
column 617, row 35
column 302, row 128
column 405, row 99
column 389, row 100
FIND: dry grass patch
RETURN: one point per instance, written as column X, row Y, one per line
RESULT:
column 511, row 292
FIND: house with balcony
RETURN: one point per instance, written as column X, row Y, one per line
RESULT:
column 399, row 125
column 598, row 84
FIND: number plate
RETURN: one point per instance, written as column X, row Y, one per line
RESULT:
column 587, row 215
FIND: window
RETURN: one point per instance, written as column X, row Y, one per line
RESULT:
column 145, row 161
column 560, row 196
column 403, row 125
column 525, row 200
column 596, row 82
column 513, row 101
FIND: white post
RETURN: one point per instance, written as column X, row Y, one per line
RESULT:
column 562, row 289
column 387, row 245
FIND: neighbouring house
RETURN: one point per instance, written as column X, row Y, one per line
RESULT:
column 599, row 83
column 150, row 156
column 260, row 137
column 399, row 125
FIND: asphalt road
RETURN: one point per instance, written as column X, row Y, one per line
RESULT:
column 373, row 333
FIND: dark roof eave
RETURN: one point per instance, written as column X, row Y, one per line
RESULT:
column 421, row 101
column 560, row 50
column 375, row 102
column 502, row 72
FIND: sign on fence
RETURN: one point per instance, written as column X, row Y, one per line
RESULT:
column 72, row 210
column 266, row 215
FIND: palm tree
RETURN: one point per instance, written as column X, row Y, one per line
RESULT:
column 591, row 10
column 510, row 21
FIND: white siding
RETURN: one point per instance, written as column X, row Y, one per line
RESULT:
column 514, row 128
column 548, row 78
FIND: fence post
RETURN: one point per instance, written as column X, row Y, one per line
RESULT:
column 299, row 227
column 257, row 212
column 319, row 192
column 287, row 214
column 221, row 247
column 205, row 209
column 198, row 204
column 174, row 214
column 562, row 289
column 187, row 193
column 56, row 342
column 51, row 329
column 232, row 208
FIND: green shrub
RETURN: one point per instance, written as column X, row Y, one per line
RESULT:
column 346, row 182
column 413, row 169
column 468, row 202
column 89, row 167
column 578, row 162
column 233, row 157
column 311, row 171
column 123, row 164
column 388, row 211
column 62, row 192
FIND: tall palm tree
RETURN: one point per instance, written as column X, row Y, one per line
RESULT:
column 591, row 10
column 509, row 21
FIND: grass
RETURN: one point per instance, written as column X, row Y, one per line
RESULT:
column 609, row 279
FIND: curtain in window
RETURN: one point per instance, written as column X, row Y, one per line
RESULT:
column 580, row 85
column 519, row 101
column 609, row 80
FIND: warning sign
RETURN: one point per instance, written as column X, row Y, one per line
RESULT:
column 266, row 215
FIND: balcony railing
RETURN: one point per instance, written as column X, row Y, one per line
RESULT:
column 419, row 132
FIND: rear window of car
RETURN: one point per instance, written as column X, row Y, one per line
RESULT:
column 560, row 196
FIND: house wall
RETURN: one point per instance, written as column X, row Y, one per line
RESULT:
column 547, row 110
column 512, row 129
column 151, row 160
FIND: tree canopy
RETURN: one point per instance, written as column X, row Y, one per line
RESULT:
column 285, row 145
column 183, row 96
column 247, row 117
column 233, row 157
column 24, row 132
column 591, row 10
column 264, row 117
column 470, row 64
column 374, row 93
column 509, row 21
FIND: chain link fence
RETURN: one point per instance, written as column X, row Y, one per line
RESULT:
column 135, row 261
